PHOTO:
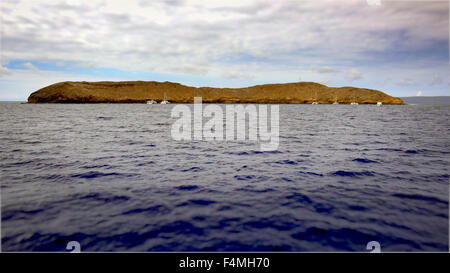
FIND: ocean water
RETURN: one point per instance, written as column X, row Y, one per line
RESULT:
column 427, row 100
column 110, row 177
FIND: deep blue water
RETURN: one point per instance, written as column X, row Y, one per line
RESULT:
column 111, row 177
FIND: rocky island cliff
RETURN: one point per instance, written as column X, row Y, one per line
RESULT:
column 142, row 91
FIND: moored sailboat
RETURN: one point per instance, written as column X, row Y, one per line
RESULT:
column 165, row 101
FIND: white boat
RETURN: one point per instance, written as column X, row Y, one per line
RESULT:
column 151, row 102
column 335, row 98
column 354, row 99
column 379, row 103
column 315, row 100
column 165, row 101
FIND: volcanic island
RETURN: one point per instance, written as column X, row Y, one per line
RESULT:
column 144, row 91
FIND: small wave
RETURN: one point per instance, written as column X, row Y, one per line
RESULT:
column 311, row 173
column 54, row 177
column 146, row 163
column 105, row 199
column 272, row 152
column 254, row 152
column 17, row 213
column 223, row 208
column 187, row 188
column 247, row 153
column 357, row 208
column 389, row 149
column 105, row 118
column 352, row 174
column 352, row 143
column 95, row 174
column 288, row 162
column 198, row 202
column 21, row 163
column 255, row 190
column 129, row 143
column 420, row 197
column 94, row 166
column 323, row 208
column 285, row 179
column 244, row 177
column 364, row 160
column 153, row 209
column 300, row 198
column 31, row 142
column 270, row 223
column 193, row 169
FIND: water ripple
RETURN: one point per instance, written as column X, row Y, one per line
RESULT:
column 110, row 177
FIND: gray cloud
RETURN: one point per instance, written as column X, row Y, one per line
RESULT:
column 325, row 69
column 237, row 75
column 190, row 69
column 406, row 82
column 263, row 38
column 354, row 75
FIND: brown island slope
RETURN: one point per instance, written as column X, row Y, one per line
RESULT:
column 141, row 91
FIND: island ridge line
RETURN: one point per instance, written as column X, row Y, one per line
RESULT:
column 143, row 91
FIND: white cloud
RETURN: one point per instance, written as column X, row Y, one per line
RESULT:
column 237, row 75
column 166, row 34
column 325, row 69
column 4, row 71
column 190, row 69
column 354, row 75
column 419, row 93
column 374, row 2
column 30, row 66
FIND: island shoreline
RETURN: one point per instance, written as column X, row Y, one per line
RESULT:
column 142, row 92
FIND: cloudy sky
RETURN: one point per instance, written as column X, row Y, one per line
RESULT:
column 400, row 47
